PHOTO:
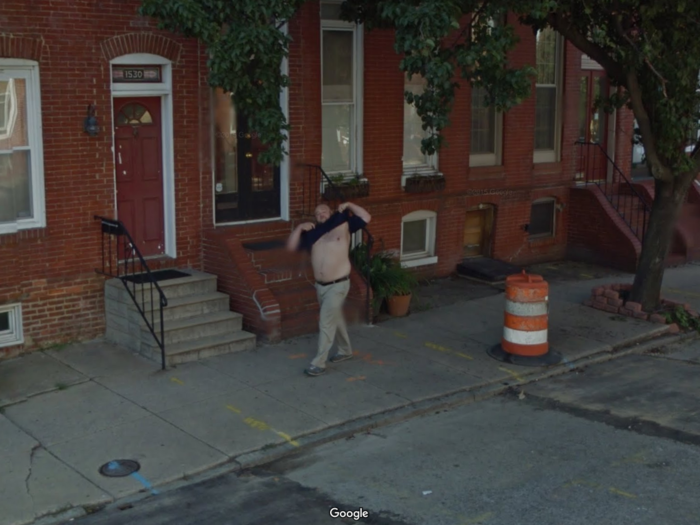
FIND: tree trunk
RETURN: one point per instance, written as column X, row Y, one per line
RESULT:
column 668, row 203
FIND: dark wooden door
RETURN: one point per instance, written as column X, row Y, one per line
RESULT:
column 593, row 125
column 139, row 166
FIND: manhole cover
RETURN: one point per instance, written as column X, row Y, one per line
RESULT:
column 119, row 468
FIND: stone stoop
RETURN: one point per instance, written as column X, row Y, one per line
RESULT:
column 197, row 320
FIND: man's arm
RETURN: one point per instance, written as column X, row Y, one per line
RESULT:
column 356, row 210
column 293, row 241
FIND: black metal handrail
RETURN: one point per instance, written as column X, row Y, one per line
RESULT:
column 116, row 231
column 313, row 189
column 618, row 190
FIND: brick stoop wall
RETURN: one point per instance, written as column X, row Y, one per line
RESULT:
column 612, row 298
column 225, row 257
column 597, row 233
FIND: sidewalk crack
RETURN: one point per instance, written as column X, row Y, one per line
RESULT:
column 29, row 474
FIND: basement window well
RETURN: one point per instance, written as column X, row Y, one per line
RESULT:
column 11, row 325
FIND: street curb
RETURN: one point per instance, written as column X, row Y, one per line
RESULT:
column 365, row 424
column 461, row 397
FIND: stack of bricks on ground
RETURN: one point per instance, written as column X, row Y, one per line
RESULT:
column 611, row 298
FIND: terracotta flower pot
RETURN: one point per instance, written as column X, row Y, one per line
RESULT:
column 397, row 305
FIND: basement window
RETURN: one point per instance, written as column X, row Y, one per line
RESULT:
column 542, row 218
column 11, row 325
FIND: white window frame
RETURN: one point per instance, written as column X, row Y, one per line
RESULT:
column 488, row 159
column 430, row 167
column 554, row 218
column 29, row 71
column 428, row 255
column 553, row 155
column 356, row 160
column 15, row 335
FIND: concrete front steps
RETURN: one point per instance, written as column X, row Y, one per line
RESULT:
column 197, row 322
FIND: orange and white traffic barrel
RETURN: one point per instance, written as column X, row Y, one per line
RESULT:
column 525, row 323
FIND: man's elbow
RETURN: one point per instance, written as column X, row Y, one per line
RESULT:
column 368, row 219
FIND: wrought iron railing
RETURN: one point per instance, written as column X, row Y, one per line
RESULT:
column 596, row 167
column 120, row 263
column 316, row 184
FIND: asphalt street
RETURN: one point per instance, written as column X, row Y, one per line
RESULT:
column 614, row 443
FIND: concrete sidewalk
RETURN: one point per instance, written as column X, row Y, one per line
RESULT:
column 66, row 412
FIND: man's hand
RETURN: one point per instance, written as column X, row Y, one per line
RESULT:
column 343, row 207
column 356, row 210
column 307, row 226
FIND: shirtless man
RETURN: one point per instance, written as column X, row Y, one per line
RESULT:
column 328, row 241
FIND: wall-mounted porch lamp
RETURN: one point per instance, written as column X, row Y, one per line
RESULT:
column 91, row 126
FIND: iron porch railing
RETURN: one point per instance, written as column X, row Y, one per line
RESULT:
column 596, row 167
column 136, row 283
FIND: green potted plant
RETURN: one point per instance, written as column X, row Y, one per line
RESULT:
column 399, row 289
column 388, row 279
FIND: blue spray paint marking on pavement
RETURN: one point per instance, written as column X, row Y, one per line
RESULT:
column 570, row 365
column 144, row 482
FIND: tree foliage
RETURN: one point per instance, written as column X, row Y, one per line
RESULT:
column 245, row 43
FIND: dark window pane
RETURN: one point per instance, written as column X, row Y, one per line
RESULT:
column 4, row 321
column 542, row 218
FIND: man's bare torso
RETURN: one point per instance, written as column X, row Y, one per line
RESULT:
column 329, row 255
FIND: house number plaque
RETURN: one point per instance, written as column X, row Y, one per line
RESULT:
column 136, row 74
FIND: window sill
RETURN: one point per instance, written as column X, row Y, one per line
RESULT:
column 424, row 261
column 422, row 173
column 542, row 238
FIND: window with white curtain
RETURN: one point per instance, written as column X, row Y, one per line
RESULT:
column 414, row 160
column 341, row 85
column 21, row 151
column 547, row 96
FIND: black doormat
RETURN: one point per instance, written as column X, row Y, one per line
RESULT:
column 264, row 245
column 485, row 269
column 160, row 275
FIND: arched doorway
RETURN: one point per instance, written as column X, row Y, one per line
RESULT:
column 478, row 230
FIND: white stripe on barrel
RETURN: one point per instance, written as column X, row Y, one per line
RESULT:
column 522, row 337
column 526, row 309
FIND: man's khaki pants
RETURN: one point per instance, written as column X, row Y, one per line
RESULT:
column 331, row 322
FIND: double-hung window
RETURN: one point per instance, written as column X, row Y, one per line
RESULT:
column 341, row 92
column 418, row 231
column 414, row 160
column 21, row 155
column 548, row 96
column 486, row 131
column 486, row 124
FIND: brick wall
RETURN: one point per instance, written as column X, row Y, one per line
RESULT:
column 73, row 42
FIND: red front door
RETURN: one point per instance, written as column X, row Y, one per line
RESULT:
column 139, row 166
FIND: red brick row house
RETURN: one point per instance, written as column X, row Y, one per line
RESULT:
column 175, row 163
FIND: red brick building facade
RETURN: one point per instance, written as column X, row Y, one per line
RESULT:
column 208, row 200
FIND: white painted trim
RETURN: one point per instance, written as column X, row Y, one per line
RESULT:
column 29, row 70
column 164, row 91
column 430, row 218
column 285, row 177
column 15, row 335
column 253, row 221
column 413, row 263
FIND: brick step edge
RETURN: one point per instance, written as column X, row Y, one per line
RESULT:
column 611, row 298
